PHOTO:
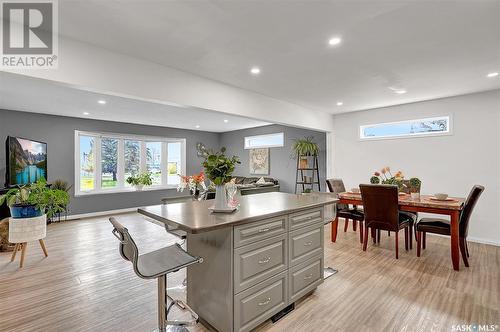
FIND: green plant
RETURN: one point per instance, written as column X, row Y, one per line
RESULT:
column 374, row 180
column 141, row 179
column 61, row 185
column 305, row 147
column 307, row 191
column 38, row 194
column 219, row 167
column 415, row 184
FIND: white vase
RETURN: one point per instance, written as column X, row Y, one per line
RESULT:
column 220, row 197
column 139, row 187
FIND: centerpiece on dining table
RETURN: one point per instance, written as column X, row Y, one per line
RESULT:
column 219, row 169
column 194, row 183
column 411, row 186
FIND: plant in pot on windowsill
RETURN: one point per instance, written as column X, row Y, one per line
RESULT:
column 303, row 148
column 218, row 169
column 140, row 180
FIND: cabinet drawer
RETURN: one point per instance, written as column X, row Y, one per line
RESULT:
column 305, row 243
column 305, row 277
column 258, row 261
column 305, row 218
column 264, row 229
column 256, row 304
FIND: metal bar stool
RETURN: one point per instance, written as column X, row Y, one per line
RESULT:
column 156, row 265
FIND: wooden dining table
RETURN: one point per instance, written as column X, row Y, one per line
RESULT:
column 426, row 204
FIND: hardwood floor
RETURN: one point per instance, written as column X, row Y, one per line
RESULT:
column 84, row 285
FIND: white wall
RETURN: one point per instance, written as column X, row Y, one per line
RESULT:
column 451, row 164
column 91, row 68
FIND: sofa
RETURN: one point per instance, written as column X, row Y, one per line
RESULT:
column 249, row 186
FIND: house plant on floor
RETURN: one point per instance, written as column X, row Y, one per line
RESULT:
column 218, row 169
column 140, row 180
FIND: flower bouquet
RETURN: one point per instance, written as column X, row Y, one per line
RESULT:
column 385, row 177
column 194, row 183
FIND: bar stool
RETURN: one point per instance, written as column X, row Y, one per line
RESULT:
column 156, row 265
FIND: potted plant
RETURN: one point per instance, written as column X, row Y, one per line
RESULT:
column 140, row 180
column 34, row 200
column 307, row 191
column 303, row 148
column 218, row 169
column 415, row 185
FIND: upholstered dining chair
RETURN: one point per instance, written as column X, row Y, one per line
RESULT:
column 380, row 205
column 336, row 186
column 442, row 226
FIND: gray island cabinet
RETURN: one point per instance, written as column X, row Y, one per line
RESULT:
column 257, row 260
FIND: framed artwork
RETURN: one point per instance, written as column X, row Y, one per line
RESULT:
column 259, row 161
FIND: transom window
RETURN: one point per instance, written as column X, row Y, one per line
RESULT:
column 103, row 161
column 265, row 141
column 409, row 128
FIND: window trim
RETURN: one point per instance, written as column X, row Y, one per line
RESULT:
column 282, row 134
column 121, row 188
column 410, row 135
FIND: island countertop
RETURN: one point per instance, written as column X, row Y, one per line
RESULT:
column 195, row 217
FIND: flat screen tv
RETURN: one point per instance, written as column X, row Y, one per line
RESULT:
column 26, row 161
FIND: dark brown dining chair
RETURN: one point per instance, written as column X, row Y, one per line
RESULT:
column 380, row 204
column 443, row 227
column 336, row 186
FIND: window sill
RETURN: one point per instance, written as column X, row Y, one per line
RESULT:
column 123, row 190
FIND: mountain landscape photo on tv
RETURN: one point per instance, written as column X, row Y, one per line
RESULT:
column 27, row 161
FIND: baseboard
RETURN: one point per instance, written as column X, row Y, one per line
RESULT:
column 100, row 213
column 472, row 239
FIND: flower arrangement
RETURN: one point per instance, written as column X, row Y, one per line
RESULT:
column 193, row 182
column 219, row 167
column 385, row 177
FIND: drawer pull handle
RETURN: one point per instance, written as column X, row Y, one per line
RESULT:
column 263, row 230
column 266, row 301
column 265, row 261
column 307, row 277
column 307, row 244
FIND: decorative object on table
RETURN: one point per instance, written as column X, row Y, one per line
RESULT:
column 385, row 177
column 231, row 191
column 305, row 149
column 194, row 183
column 24, row 230
column 307, row 191
column 34, row 200
column 140, row 180
column 415, row 185
column 218, row 169
column 259, row 161
column 441, row 196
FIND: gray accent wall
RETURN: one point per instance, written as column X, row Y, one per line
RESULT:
column 282, row 166
column 58, row 133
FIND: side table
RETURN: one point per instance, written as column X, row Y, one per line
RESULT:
column 24, row 230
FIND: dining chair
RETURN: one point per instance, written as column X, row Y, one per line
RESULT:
column 381, row 209
column 442, row 226
column 336, row 186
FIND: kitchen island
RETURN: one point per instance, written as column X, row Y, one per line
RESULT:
column 258, row 260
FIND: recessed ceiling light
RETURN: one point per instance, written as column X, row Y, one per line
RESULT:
column 226, row 120
column 339, row 103
column 255, row 70
column 334, row 41
column 102, row 102
column 492, row 74
column 400, row 92
column 86, row 113
column 197, row 126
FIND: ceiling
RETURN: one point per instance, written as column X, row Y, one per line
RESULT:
column 432, row 49
column 22, row 93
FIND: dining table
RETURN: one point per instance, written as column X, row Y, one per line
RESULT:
column 452, row 207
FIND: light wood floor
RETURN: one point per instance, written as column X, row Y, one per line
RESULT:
column 84, row 285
